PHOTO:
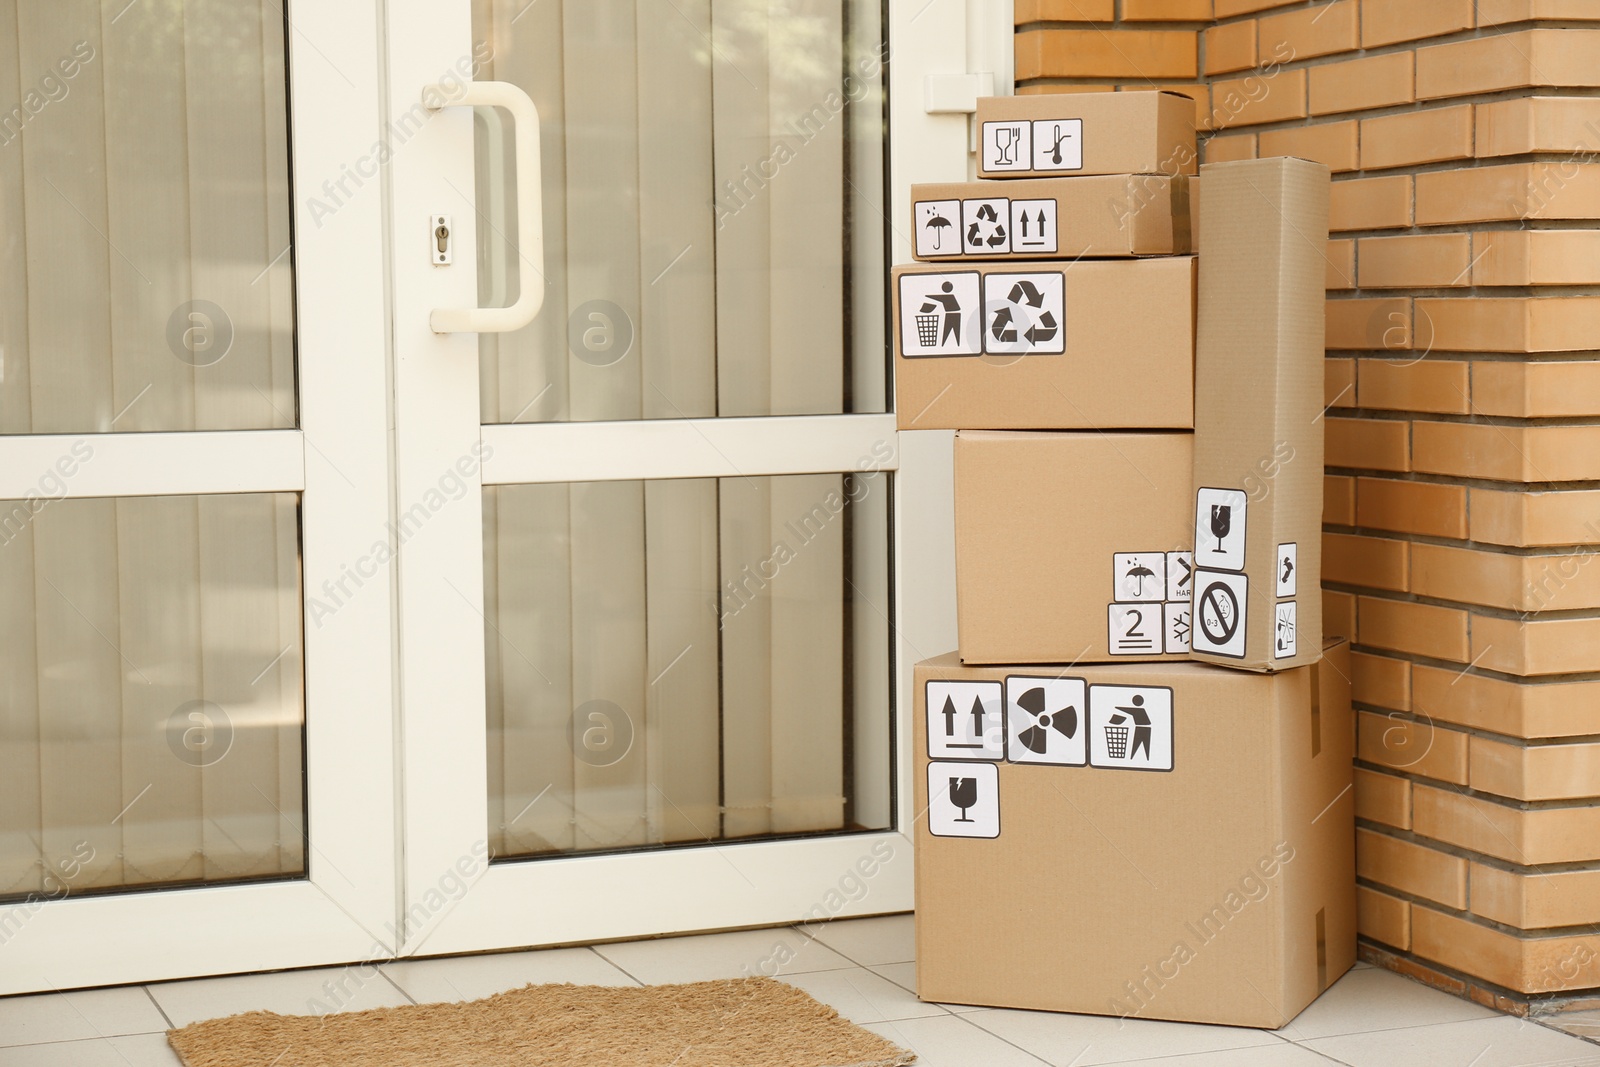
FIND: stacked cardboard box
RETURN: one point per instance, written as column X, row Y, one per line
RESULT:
column 1123, row 479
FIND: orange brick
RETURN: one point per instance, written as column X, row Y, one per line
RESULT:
column 1509, row 324
column 1371, row 562
column 1425, row 508
column 1339, row 614
column 1229, row 47
column 1116, row 53
column 1044, row 89
column 1413, row 745
column 1339, row 500
column 1538, row 124
column 1332, row 143
column 1432, row 385
column 1503, row 706
column 1257, row 98
column 1229, row 148
column 1381, row 681
column 1411, row 868
column 1392, row 21
column 1370, row 204
column 1369, row 444
column 1530, row 58
column 1500, row 12
column 1555, row 582
column 1505, row 830
column 1339, row 383
column 1541, row 965
column 1537, row 390
column 1417, row 137
column 1534, row 900
column 1524, row 519
column 1315, row 31
column 1382, row 324
column 1541, row 646
column 1415, row 261
column 1359, row 84
column 1534, row 772
column 1166, row 10
column 1421, row 629
column 1507, row 453
column 1510, row 191
column 1230, row 8
column 1065, row 11
column 1536, row 257
column 1341, row 272
column 1200, row 94
column 1383, row 918
column 1383, row 798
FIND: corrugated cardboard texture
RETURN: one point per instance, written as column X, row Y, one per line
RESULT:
column 1258, row 404
column 1128, row 364
column 1116, row 133
column 1142, row 893
column 1117, row 216
column 1040, row 519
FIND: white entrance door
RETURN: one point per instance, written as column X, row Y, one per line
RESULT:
column 329, row 637
column 195, row 770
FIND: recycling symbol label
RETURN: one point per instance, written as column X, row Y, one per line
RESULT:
column 1025, row 314
column 984, row 224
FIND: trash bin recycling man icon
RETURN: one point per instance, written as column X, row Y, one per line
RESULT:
column 1116, row 732
column 946, row 300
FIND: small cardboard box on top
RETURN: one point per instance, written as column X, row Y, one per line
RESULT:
column 1114, row 216
column 1091, row 344
column 1258, row 415
column 1161, row 841
column 1072, row 547
column 1061, row 134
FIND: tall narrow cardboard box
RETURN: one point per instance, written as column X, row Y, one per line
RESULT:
column 1258, row 415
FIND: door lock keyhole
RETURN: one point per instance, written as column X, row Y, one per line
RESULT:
column 440, row 252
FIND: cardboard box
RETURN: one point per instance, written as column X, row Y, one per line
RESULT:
column 1117, row 215
column 1094, row 344
column 1258, row 415
column 1199, row 866
column 1072, row 547
column 1053, row 135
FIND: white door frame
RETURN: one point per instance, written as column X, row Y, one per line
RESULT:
column 343, row 909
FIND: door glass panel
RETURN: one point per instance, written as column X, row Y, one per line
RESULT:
column 145, row 279
column 676, row 662
column 151, row 704
column 713, row 208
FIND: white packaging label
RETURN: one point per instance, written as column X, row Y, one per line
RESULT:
column 1134, row 629
column 1220, row 602
column 1033, row 226
column 964, row 800
column 938, row 227
column 1130, row 727
column 986, row 226
column 1025, row 314
column 1046, row 721
column 1288, row 562
column 966, row 720
column 1007, row 146
column 1283, row 643
column 1139, row 577
column 1180, row 575
column 1058, row 144
column 1219, row 529
column 941, row 314
column 1177, row 625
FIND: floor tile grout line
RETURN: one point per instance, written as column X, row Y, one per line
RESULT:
column 152, row 997
column 387, row 977
column 998, row 1037
column 636, row 979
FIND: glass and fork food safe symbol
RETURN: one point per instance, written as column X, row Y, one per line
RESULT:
column 1007, row 146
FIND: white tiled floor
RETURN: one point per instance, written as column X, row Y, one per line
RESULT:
column 863, row 968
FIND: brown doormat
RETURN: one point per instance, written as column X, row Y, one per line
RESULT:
column 753, row 1022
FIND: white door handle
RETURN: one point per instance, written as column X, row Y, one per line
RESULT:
column 530, row 211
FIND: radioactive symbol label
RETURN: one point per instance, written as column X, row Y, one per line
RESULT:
column 965, row 720
column 1220, row 602
column 1045, row 721
column 1024, row 314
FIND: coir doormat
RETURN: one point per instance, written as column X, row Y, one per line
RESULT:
column 755, row 1022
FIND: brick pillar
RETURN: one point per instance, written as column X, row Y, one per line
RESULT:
column 1463, row 482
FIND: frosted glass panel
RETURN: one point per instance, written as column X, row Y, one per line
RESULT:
column 677, row 662
column 145, row 267
column 713, row 208
column 151, row 703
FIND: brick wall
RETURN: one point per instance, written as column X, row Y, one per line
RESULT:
column 1463, row 483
